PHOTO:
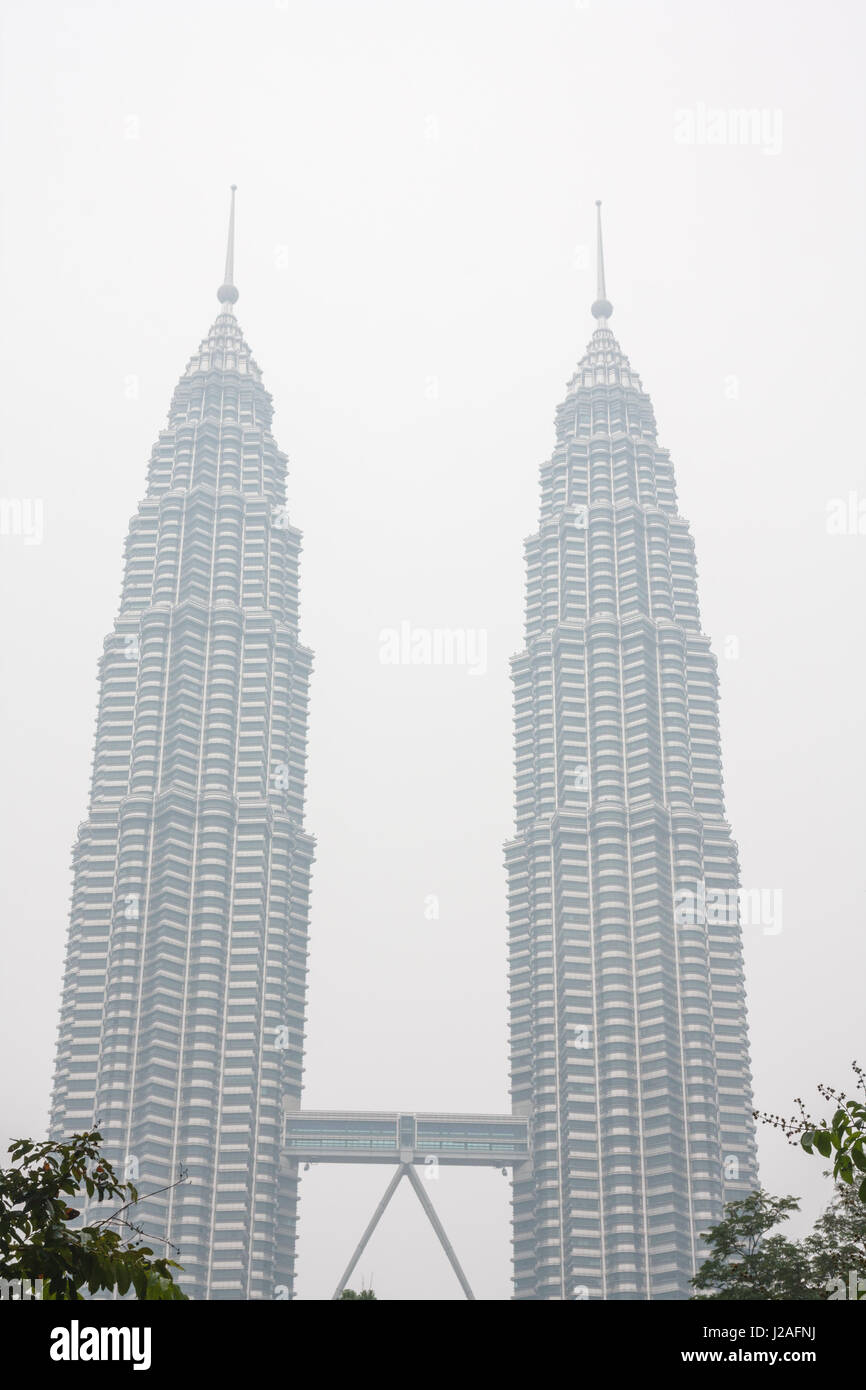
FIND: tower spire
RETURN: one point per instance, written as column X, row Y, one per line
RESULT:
column 602, row 308
column 227, row 292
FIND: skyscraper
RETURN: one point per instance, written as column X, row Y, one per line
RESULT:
column 182, row 1019
column 629, row 1047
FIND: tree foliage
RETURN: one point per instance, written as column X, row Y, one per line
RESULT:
column 843, row 1137
column 747, row 1263
column 39, row 1242
column 365, row 1293
column 837, row 1245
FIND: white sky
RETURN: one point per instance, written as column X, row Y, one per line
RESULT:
column 416, row 188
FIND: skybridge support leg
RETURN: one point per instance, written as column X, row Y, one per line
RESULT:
column 429, row 1208
column 374, row 1221
column 406, row 1170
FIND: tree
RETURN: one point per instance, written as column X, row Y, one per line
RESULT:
column 745, row 1263
column 365, row 1293
column 837, row 1246
column 844, row 1136
column 37, row 1241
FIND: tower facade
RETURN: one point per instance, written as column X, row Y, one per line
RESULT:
column 628, row 1036
column 182, row 1019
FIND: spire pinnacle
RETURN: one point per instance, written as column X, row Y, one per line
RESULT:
column 602, row 308
column 227, row 293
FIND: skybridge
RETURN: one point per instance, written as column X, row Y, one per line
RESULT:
column 406, row 1140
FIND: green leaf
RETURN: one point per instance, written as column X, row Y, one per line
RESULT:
column 822, row 1143
column 807, row 1140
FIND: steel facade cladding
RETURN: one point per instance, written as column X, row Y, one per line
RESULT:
column 182, row 1019
column 629, row 1048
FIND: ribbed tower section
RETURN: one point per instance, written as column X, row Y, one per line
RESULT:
column 628, row 1029
column 182, row 1018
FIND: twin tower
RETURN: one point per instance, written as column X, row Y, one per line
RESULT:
column 184, row 997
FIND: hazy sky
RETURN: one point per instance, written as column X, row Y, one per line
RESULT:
column 415, row 216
